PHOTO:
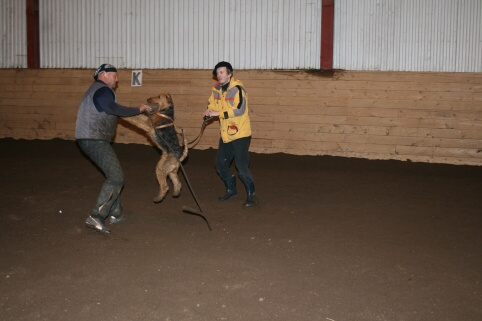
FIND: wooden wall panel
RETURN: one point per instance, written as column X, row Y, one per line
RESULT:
column 425, row 117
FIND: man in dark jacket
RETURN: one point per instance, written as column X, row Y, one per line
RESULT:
column 95, row 127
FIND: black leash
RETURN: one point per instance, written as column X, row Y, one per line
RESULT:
column 185, row 208
column 205, row 122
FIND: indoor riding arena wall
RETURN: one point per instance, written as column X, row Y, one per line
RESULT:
column 420, row 117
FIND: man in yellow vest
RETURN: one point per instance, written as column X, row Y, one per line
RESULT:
column 229, row 102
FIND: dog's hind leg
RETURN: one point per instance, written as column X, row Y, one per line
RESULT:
column 161, row 175
column 172, row 168
column 184, row 145
column 176, row 184
column 174, row 172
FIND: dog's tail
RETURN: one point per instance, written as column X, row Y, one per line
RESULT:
column 186, row 147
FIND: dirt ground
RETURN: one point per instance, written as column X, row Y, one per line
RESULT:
column 332, row 239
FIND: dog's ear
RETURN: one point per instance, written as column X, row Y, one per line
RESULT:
column 169, row 99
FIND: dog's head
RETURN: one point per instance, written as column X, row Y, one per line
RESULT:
column 162, row 100
column 162, row 104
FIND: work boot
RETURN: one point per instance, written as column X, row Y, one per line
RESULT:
column 113, row 219
column 97, row 224
column 250, row 201
column 230, row 188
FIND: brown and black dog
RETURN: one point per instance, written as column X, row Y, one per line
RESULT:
column 159, row 125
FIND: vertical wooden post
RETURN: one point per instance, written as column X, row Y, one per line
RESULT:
column 33, row 34
column 327, row 20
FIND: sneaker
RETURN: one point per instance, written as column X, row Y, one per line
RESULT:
column 116, row 219
column 97, row 224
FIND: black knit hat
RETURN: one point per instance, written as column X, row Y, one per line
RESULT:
column 104, row 68
column 223, row 64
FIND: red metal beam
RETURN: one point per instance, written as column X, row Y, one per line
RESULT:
column 327, row 19
column 33, row 35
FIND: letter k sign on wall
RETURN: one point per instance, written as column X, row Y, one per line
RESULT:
column 136, row 79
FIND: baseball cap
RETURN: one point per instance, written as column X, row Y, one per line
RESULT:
column 104, row 68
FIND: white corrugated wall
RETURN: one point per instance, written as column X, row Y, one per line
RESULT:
column 251, row 34
column 392, row 35
column 13, row 28
column 408, row 35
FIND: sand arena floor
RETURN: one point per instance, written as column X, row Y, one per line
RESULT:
column 331, row 239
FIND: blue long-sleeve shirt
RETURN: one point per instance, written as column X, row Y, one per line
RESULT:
column 104, row 101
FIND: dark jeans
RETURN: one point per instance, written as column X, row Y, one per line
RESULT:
column 236, row 150
column 103, row 155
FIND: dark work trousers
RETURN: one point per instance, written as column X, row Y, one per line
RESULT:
column 236, row 150
column 103, row 155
